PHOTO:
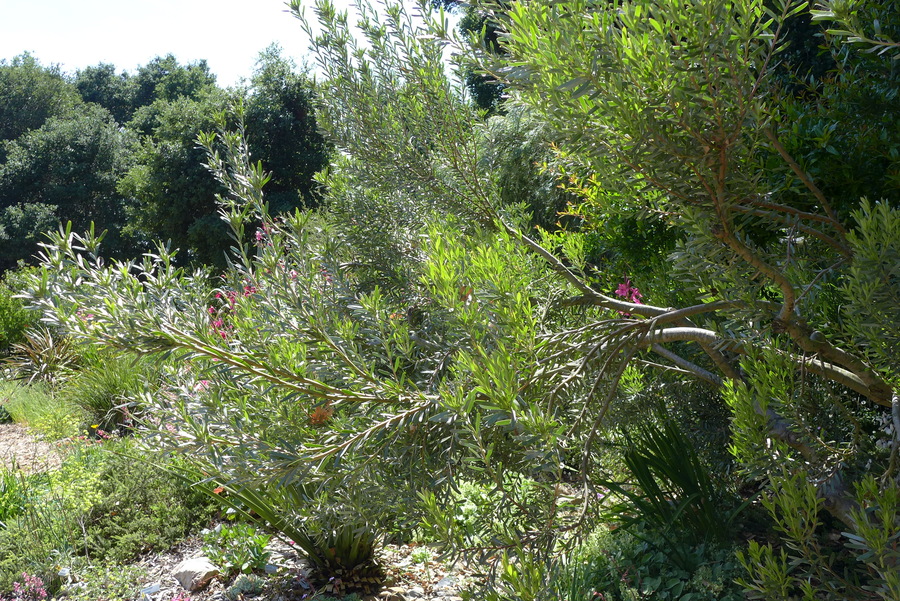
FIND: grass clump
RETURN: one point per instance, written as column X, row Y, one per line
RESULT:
column 107, row 389
column 39, row 407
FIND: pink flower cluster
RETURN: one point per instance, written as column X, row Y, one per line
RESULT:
column 31, row 589
column 217, row 321
column 629, row 292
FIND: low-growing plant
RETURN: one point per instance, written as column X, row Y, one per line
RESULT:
column 12, row 494
column 237, row 549
column 109, row 583
column 621, row 566
column 248, row 585
column 142, row 507
column 668, row 488
column 40, row 407
column 30, row 589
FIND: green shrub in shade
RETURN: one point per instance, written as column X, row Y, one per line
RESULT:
column 620, row 566
column 15, row 318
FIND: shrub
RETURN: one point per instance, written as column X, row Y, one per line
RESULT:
column 142, row 507
column 810, row 566
column 108, row 387
column 15, row 318
column 621, row 566
column 44, row 355
column 237, row 549
column 109, row 583
column 667, row 486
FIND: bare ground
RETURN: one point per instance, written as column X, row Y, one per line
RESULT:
column 19, row 447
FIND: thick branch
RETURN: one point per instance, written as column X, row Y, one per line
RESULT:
column 686, row 365
column 815, row 344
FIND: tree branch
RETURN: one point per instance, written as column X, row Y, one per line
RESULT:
column 686, row 365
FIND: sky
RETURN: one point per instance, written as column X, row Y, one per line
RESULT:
column 229, row 34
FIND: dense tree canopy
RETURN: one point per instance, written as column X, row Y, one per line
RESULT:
column 68, row 169
column 100, row 84
column 30, row 94
column 127, row 157
column 283, row 132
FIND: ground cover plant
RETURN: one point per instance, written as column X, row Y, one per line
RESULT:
column 339, row 365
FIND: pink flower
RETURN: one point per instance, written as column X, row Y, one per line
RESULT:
column 629, row 293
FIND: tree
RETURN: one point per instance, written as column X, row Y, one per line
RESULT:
column 67, row 168
column 281, row 125
column 101, row 85
column 174, row 196
column 164, row 78
column 30, row 94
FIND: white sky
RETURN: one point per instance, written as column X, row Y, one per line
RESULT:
column 74, row 34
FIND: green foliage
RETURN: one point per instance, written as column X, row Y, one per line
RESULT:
column 163, row 78
column 45, row 356
column 15, row 319
column 101, row 85
column 168, row 165
column 67, row 168
column 37, row 406
column 12, row 494
column 108, row 389
column 29, row 95
column 620, row 566
column 872, row 286
column 237, row 549
column 142, row 508
column 245, row 584
column 110, row 583
column 25, row 402
column 668, row 489
column 315, row 393
column 284, row 135
column 108, row 504
column 811, row 566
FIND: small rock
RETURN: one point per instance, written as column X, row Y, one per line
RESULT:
column 194, row 574
column 416, row 592
column 271, row 568
column 445, row 584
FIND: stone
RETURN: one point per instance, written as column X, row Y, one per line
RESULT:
column 445, row 585
column 193, row 574
column 416, row 592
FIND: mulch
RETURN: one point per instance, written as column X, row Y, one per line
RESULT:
column 22, row 449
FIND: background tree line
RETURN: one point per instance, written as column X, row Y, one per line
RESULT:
column 119, row 150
